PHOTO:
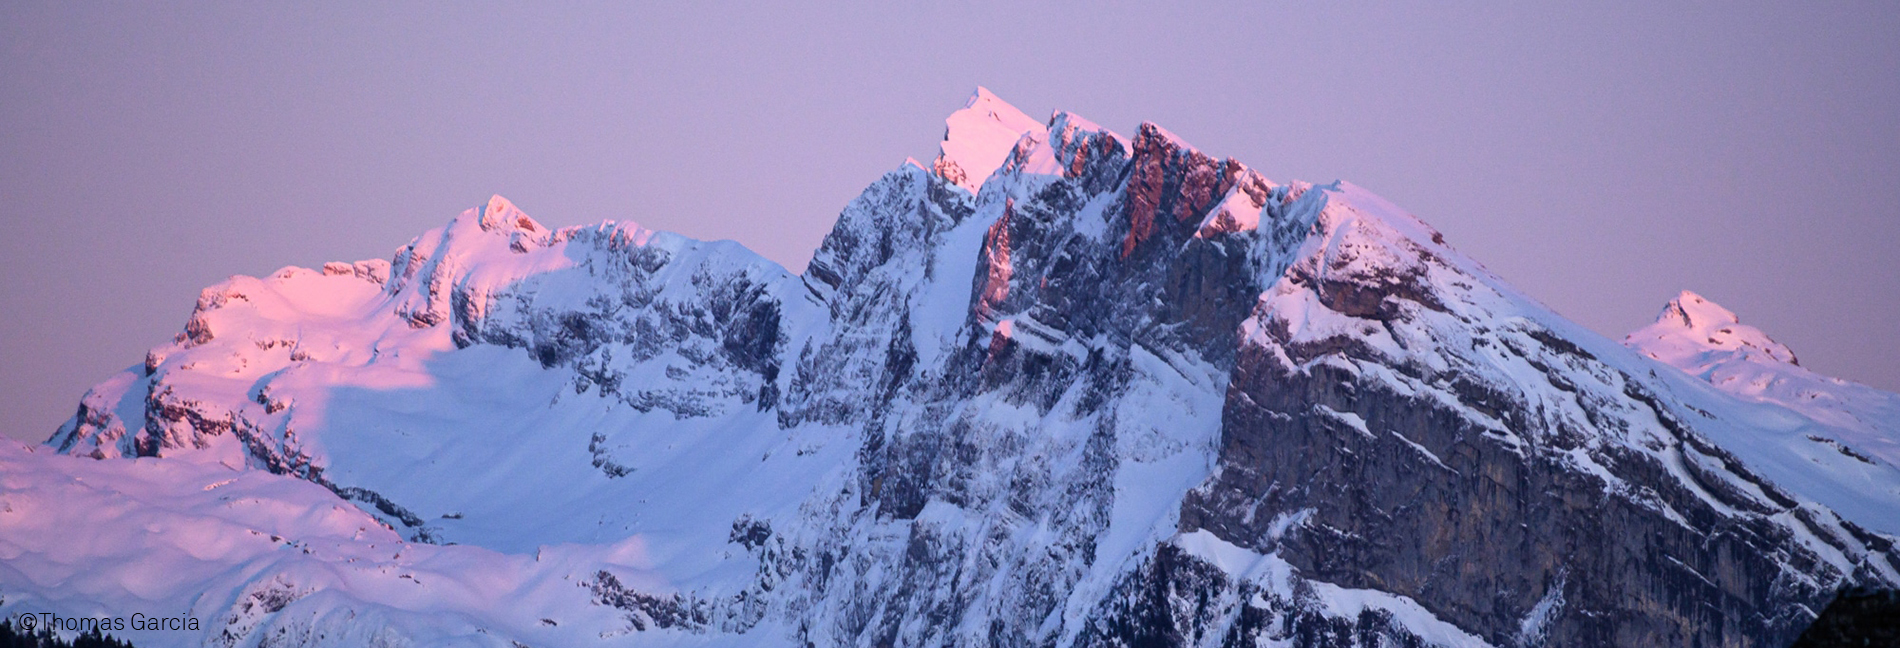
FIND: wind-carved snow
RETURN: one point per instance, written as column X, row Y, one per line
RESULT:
column 1022, row 396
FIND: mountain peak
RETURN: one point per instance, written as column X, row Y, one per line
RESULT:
column 983, row 95
column 500, row 214
column 978, row 138
column 1691, row 326
column 1695, row 311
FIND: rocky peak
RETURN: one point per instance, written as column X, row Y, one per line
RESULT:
column 1072, row 148
column 501, row 215
column 1172, row 178
column 898, row 216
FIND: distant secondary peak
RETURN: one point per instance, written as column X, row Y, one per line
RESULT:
column 979, row 138
column 1694, row 311
column 1692, row 325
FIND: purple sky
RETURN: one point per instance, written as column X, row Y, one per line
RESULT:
column 1601, row 158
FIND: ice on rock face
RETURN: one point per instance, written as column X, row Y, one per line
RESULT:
column 1061, row 388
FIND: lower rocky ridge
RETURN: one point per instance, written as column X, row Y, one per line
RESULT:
column 1434, row 445
column 1179, row 598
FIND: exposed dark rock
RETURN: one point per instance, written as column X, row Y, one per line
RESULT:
column 1856, row 617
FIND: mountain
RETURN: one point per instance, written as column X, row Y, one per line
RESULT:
column 1061, row 387
column 1840, row 440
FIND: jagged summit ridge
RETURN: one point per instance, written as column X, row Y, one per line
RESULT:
column 1063, row 388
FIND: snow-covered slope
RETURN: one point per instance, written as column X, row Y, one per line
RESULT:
column 1831, row 439
column 256, row 557
column 1402, row 420
column 1064, row 387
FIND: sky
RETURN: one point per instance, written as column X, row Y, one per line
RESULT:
column 1600, row 157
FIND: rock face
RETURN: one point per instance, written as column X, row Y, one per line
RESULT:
column 1063, row 388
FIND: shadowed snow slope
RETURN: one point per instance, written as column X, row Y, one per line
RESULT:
column 1062, row 388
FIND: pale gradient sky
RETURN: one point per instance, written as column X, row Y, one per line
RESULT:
column 1602, row 157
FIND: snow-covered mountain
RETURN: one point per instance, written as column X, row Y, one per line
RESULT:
column 1060, row 387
